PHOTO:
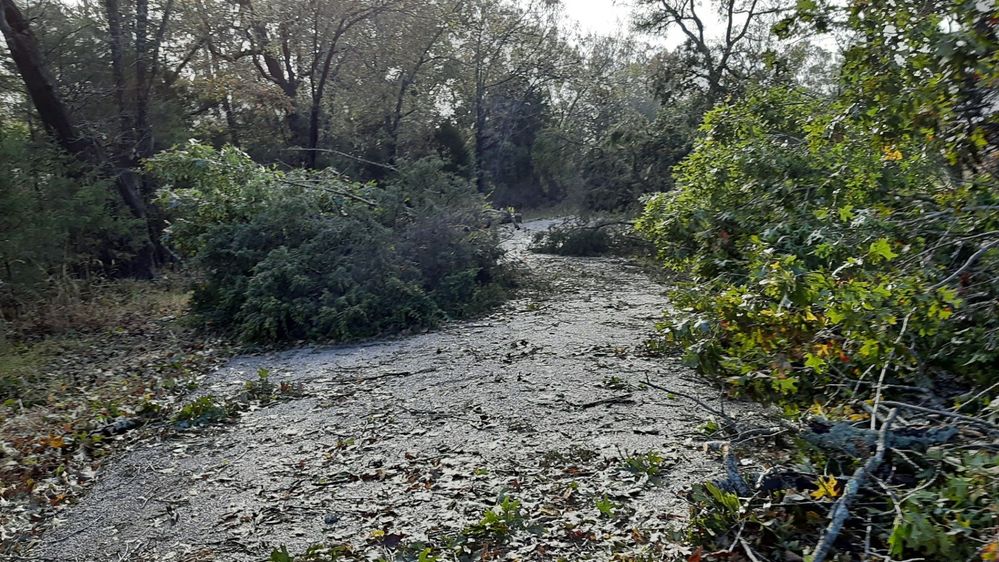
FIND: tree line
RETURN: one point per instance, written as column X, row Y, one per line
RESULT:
column 506, row 93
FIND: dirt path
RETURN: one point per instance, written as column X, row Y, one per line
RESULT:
column 412, row 439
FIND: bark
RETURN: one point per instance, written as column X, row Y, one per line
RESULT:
column 144, row 137
column 115, row 42
column 274, row 70
column 230, row 120
column 394, row 121
column 480, row 145
column 41, row 88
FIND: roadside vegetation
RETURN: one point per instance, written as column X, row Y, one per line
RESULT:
column 588, row 238
column 79, row 375
column 845, row 269
column 186, row 180
column 308, row 256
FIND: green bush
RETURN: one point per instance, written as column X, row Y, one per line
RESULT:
column 590, row 238
column 305, row 255
column 572, row 240
column 820, row 255
column 827, row 264
column 57, row 222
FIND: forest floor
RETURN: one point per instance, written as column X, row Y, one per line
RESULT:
column 539, row 408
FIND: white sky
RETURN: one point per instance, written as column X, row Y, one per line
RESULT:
column 608, row 17
column 599, row 16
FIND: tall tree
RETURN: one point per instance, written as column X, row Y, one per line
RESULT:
column 717, row 62
column 421, row 42
column 505, row 44
column 300, row 44
column 52, row 112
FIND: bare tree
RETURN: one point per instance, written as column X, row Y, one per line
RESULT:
column 713, row 60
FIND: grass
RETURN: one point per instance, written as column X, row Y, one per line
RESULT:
column 39, row 345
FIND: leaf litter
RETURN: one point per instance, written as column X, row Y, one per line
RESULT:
column 528, row 434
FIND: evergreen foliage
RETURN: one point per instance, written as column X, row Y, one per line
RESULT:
column 58, row 221
column 305, row 255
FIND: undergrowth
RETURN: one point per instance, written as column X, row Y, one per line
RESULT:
column 586, row 238
column 303, row 255
column 79, row 375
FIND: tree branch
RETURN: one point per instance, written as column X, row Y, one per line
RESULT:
column 841, row 510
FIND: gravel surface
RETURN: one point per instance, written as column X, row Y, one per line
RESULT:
column 412, row 439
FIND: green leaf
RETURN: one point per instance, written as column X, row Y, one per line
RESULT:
column 815, row 363
column 881, row 250
column 869, row 348
column 787, row 385
column 281, row 555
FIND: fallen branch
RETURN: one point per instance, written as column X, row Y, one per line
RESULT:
column 348, row 155
column 841, row 510
column 748, row 550
column 335, row 191
column 623, row 399
column 971, row 261
column 735, row 479
column 394, row 374
column 974, row 421
column 729, row 422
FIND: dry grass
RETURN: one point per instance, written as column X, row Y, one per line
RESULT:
column 73, row 363
column 73, row 306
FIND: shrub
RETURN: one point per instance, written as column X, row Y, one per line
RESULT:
column 205, row 410
column 306, row 255
column 832, row 266
column 585, row 239
column 846, row 252
column 58, row 222
column 799, row 230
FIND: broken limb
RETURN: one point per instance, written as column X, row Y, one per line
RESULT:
column 841, row 510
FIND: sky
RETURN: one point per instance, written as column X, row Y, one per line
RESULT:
column 607, row 17
column 599, row 16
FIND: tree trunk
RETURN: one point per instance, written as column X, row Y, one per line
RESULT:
column 115, row 45
column 480, row 141
column 310, row 155
column 230, row 120
column 41, row 88
column 55, row 118
column 144, row 137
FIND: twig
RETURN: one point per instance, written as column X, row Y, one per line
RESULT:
column 749, row 551
column 734, row 476
column 971, row 261
column 758, row 433
column 979, row 395
column 623, row 399
column 348, row 155
column 841, row 510
column 393, row 374
column 342, row 192
column 968, row 419
column 884, row 369
column 729, row 421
